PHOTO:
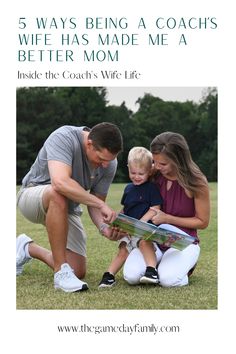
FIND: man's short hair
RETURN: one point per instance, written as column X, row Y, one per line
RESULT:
column 106, row 136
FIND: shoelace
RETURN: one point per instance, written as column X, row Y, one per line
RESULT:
column 66, row 274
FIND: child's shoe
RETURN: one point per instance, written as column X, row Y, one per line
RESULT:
column 108, row 280
column 150, row 276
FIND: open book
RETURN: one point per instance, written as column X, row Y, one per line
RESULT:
column 164, row 234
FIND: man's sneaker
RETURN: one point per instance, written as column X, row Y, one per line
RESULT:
column 108, row 280
column 66, row 280
column 22, row 253
column 150, row 276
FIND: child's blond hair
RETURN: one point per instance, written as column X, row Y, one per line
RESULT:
column 140, row 156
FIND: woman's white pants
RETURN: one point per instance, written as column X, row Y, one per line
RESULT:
column 173, row 265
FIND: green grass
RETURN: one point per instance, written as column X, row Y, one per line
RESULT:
column 35, row 286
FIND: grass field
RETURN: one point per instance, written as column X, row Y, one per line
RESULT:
column 35, row 286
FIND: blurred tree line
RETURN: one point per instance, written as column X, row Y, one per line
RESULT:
column 40, row 110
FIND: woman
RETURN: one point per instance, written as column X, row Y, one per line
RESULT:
column 186, row 205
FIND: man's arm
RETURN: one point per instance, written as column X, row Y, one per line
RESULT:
column 95, row 213
column 61, row 181
column 105, row 230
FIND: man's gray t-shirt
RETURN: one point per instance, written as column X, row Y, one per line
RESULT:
column 66, row 145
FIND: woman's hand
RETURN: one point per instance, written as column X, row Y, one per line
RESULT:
column 159, row 218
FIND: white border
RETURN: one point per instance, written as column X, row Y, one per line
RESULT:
column 204, row 63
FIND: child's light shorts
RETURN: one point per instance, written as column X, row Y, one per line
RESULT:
column 131, row 242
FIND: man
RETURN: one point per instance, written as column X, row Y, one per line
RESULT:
column 72, row 162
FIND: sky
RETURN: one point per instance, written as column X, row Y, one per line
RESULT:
column 129, row 95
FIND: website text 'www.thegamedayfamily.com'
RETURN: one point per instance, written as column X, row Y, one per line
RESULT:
column 119, row 329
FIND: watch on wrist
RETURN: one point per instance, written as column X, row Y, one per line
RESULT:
column 102, row 227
